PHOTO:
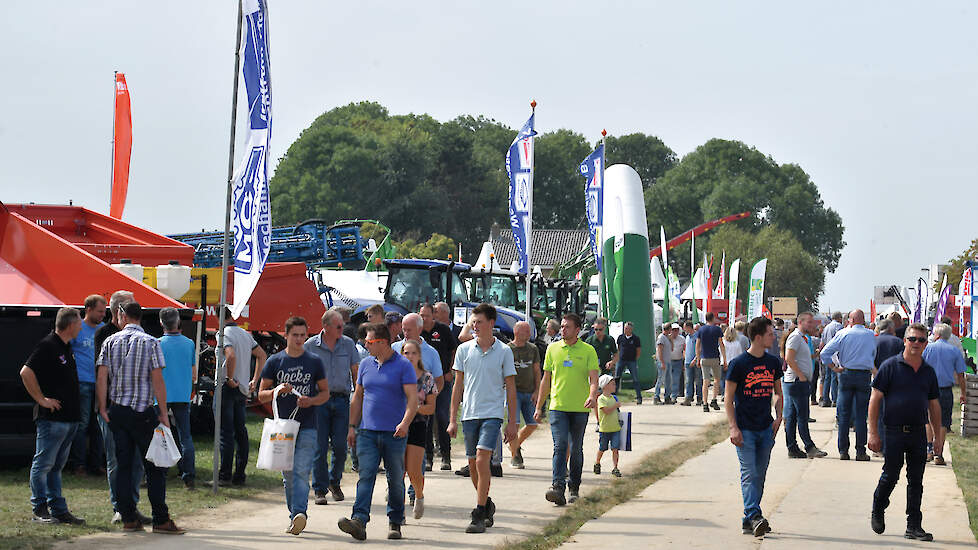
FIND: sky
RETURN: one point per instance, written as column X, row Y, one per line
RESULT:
column 877, row 102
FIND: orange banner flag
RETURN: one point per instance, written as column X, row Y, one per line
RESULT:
column 122, row 148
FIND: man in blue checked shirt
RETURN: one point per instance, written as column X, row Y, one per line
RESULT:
column 856, row 346
column 949, row 365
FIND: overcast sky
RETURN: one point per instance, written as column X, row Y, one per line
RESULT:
column 878, row 101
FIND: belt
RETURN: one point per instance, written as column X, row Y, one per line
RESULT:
column 338, row 394
column 906, row 428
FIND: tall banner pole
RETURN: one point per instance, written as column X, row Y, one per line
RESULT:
column 592, row 169
column 519, row 168
column 529, row 218
column 221, row 373
column 115, row 100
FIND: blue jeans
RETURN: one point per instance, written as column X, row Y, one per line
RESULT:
column 296, row 481
column 830, row 383
column 853, row 407
column 754, row 455
column 371, row 447
column 796, row 411
column 526, row 407
column 567, row 429
column 675, row 373
column 632, row 367
column 53, row 443
column 332, row 418
column 79, row 444
column 181, row 429
column 133, row 432
column 663, row 381
column 694, row 382
column 234, row 435
column 112, row 467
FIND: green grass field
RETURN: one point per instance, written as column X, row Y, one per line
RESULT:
column 964, row 453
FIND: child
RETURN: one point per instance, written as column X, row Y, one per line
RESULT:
column 609, row 423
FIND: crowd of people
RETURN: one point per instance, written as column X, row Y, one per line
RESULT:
column 390, row 391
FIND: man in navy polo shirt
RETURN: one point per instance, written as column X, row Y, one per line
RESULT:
column 384, row 403
column 908, row 388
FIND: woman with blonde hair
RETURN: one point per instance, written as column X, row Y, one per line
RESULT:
column 414, row 452
column 732, row 347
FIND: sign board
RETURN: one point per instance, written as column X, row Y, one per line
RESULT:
column 784, row 307
column 884, row 295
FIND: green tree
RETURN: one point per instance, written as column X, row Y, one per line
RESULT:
column 956, row 265
column 558, row 188
column 648, row 155
column 437, row 247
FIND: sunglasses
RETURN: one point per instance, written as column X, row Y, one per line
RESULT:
column 916, row 339
column 375, row 340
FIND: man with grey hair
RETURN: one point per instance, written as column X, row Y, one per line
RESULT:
column 180, row 376
column 949, row 366
column 443, row 314
column 830, row 379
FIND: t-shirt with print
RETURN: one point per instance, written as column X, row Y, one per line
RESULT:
column 802, row 344
column 304, row 373
column 608, row 422
column 755, row 378
column 444, row 341
column 524, row 357
column 426, row 387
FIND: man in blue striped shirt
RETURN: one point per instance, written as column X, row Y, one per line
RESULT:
column 130, row 375
column 856, row 348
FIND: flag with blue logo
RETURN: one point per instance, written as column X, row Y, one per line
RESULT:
column 519, row 166
column 592, row 168
column 250, row 214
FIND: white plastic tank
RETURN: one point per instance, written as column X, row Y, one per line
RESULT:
column 134, row 271
column 173, row 279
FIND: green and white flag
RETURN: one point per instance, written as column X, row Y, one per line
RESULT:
column 756, row 289
column 692, row 276
column 732, row 285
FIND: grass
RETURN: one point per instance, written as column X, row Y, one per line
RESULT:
column 964, row 451
column 88, row 497
column 653, row 467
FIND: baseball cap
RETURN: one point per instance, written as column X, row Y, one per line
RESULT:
column 604, row 379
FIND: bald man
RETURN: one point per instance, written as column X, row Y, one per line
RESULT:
column 856, row 349
column 526, row 359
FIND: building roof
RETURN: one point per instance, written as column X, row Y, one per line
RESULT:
column 551, row 247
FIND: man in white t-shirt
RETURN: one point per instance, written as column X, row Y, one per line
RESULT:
column 797, row 388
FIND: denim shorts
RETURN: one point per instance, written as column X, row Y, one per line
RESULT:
column 527, row 407
column 481, row 433
column 609, row 439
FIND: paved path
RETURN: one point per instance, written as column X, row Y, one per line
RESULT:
column 519, row 495
column 822, row 503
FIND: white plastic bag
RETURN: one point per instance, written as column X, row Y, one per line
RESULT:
column 278, row 435
column 163, row 449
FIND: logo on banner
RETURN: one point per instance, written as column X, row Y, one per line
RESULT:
column 523, row 192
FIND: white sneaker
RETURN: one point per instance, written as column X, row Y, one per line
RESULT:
column 418, row 508
column 298, row 524
column 117, row 518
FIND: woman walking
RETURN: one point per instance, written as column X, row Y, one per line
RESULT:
column 414, row 453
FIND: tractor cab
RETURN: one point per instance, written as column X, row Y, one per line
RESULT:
column 413, row 282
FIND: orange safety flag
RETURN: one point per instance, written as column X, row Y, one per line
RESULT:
column 122, row 148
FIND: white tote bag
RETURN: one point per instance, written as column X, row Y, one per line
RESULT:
column 278, row 439
column 163, row 449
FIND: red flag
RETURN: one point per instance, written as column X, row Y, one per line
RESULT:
column 872, row 310
column 766, row 312
column 122, row 147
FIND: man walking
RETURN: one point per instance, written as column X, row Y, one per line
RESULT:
column 752, row 379
column 856, row 346
column 239, row 348
column 439, row 336
column 797, row 388
column 908, row 386
column 676, row 362
column 51, row 379
column 709, row 356
column 694, row 376
column 629, row 349
column 830, row 379
column 129, row 377
column 83, row 348
column 295, row 368
column 485, row 386
column 604, row 345
column 526, row 359
column 384, row 403
column 340, row 360
column 663, row 356
column 179, row 376
column 948, row 363
column 570, row 379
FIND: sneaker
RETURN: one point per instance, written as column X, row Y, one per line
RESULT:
column 518, row 459
column 877, row 523
column 574, row 495
column 298, row 524
column 616, row 472
column 393, row 531
column 597, row 469
column 42, row 515
column 337, row 492
column 699, row 402
column 714, row 404
column 133, row 527
column 446, row 464
column 686, row 402
column 496, row 470
column 556, row 495
column 353, row 527
column 463, row 471
column 220, row 483
column 810, row 420
column 796, row 453
column 69, row 519
column 170, row 528
column 116, row 518
column 656, row 401
column 745, row 527
column 843, row 455
column 706, row 408
column 938, row 460
column 815, row 452
column 428, row 466
column 917, row 533
column 490, row 512
column 862, row 457
column 760, row 526
column 320, row 498
column 478, row 523
column 190, row 484
column 418, row 508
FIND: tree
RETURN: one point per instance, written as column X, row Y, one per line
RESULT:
column 648, row 155
column 437, row 247
column 956, row 266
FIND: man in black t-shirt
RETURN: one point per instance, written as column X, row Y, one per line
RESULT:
column 629, row 350
column 907, row 386
column 439, row 336
column 51, row 379
column 753, row 378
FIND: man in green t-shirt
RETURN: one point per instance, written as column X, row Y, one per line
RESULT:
column 526, row 359
column 603, row 345
column 570, row 379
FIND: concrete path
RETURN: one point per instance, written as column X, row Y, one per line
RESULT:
column 519, row 496
column 822, row 503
